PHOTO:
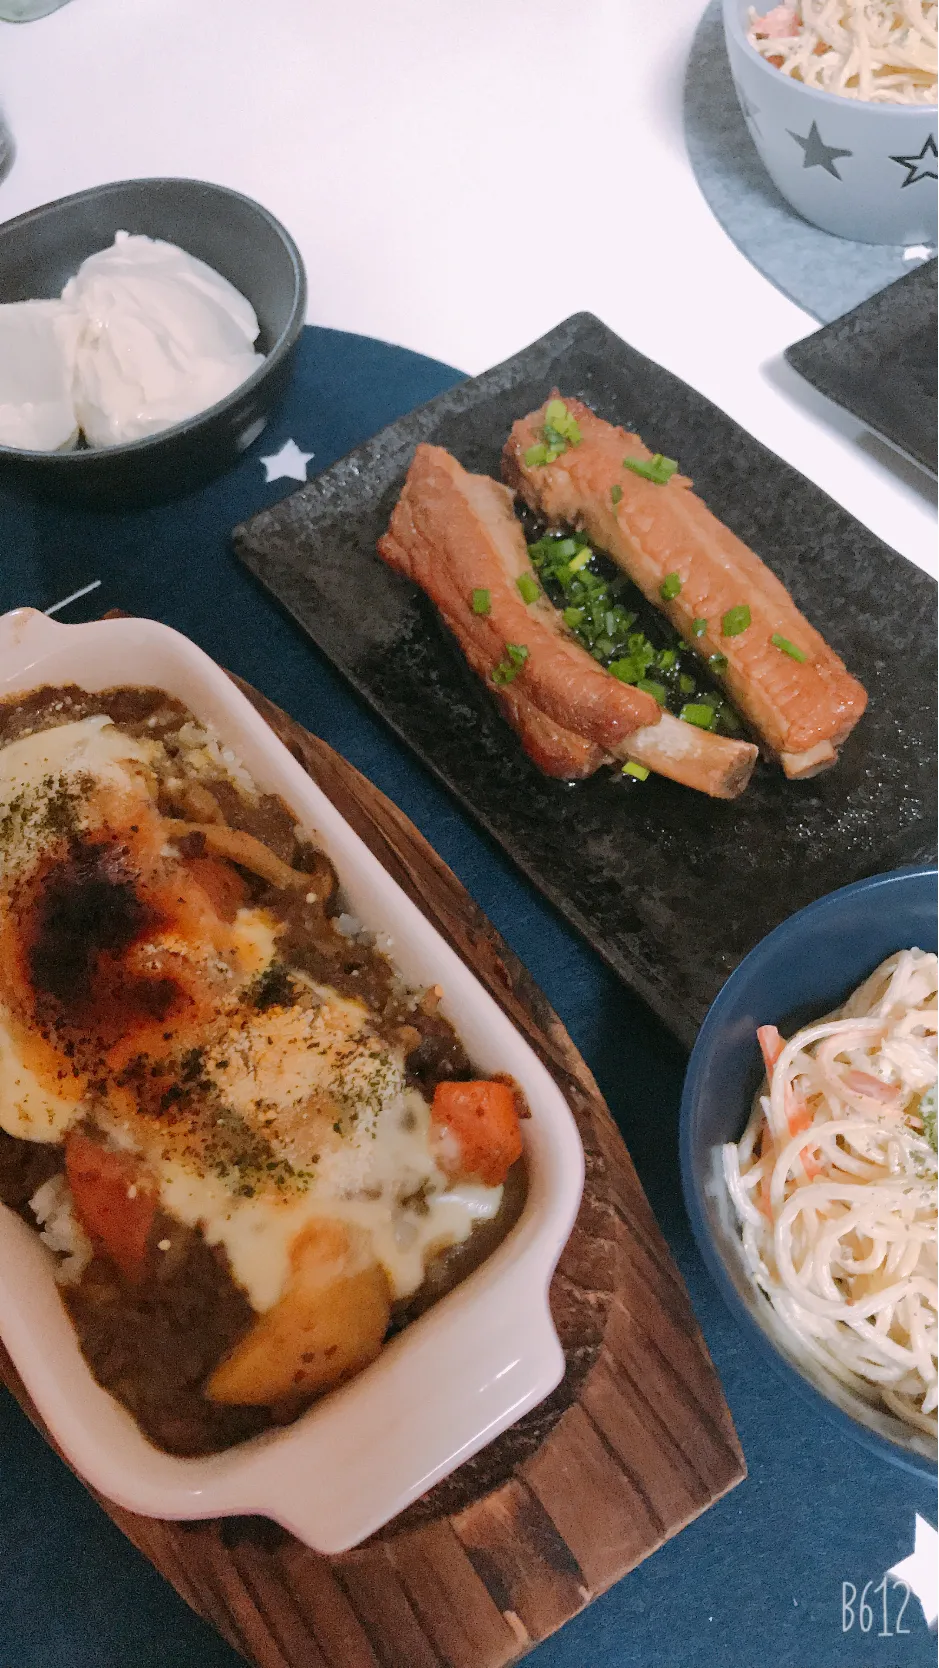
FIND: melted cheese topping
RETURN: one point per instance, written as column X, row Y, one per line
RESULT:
column 268, row 1113
column 92, row 745
column 31, row 1106
column 321, row 1123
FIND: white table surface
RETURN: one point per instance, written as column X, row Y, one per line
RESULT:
column 459, row 178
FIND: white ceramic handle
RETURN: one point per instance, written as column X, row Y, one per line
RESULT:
column 449, row 1406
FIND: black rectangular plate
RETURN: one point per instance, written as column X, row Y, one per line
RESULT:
column 670, row 887
column 879, row 362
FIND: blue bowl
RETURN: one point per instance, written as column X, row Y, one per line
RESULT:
column 802, row 970
column 40, row 250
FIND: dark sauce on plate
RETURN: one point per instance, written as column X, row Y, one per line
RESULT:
column 624, row 632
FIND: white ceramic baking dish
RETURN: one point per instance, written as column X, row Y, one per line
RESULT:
column 455, row 1378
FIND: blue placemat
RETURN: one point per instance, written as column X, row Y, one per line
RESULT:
column 826, row 275
column 755, row 1583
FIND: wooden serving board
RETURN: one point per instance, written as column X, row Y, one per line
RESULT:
column 635, row 1443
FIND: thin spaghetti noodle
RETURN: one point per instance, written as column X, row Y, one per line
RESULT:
column 881, row 51
column 834, row 1186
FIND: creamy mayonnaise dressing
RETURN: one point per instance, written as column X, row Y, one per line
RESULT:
column 310, row 1097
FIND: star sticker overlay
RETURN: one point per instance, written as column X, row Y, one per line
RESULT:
column 288, row 464
column 916, row 166
column 816, row 153
column 920, row 1571
column 750, row 110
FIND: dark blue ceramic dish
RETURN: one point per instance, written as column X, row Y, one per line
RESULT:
column 39, row 251
column 802, row 970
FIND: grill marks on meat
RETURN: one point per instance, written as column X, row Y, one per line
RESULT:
column 804, row 711
column 454, row 533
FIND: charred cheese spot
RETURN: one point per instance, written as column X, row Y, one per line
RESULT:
column 140, row 989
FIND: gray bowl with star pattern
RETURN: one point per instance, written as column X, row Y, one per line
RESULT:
column 40, row 250
column 863, row 171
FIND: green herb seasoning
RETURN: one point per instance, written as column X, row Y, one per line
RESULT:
column 718, row 664
column 622, row 631
column 698, row 628
column 511, row 663
column 700, row 713
column 528, row 586
column 670, row 586
column 788, row 648
column 616, row 493
column 482, row 602
column 657, row 469
column 560, row 431
column 640, row 772
column 736, row 620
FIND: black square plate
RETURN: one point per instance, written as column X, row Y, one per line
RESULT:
column 879, row 362
column 670, row 887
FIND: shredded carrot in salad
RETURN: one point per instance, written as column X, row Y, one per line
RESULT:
column 833, row 1183
column 882, row 51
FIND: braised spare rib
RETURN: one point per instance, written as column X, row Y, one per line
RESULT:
column 457, row 536
column 727, row 605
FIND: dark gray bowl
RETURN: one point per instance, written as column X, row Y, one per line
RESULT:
column 803, row 969
column 39, row 251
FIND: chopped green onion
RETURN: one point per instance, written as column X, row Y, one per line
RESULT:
column 573, row 617
column 560, row 431
column 626, row 670
column 511, row 664
column 581, row 559
column 670, row 586
column 650, row 687
column 736, row 620
column 698, row 628
column 717, row 663
column 640, row 772
column 686, row 684
column 616, row 494
column 657, row 469
column 696, row 712
column 482, row 602
column 788, row 648
column 666, row 659
column 558, row 418
column 528, row 587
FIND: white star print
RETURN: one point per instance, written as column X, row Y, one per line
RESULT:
column 919, row 1570
column 289, row 463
